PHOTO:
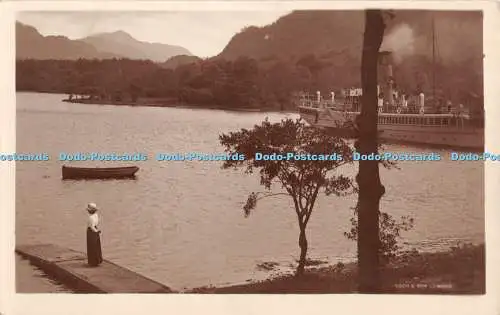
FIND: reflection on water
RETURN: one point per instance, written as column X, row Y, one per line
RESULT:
column 181, row 223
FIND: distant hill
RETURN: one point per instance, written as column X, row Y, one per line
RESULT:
column 30, row 44
column 180, row 60
column 300, row 33
column 338, row 35
column 329, row 44
column 124, row 44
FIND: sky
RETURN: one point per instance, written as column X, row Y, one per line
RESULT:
column 204, row 34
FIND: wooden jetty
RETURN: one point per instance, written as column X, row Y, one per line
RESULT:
column 70, row 268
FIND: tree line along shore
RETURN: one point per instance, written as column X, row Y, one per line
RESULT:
column 243, row 83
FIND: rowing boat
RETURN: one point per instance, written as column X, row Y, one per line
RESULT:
column 70, row 172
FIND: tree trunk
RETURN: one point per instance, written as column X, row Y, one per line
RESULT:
column 303, row 252
column 368, row 179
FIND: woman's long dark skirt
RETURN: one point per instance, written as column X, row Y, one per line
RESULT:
column 94, row 252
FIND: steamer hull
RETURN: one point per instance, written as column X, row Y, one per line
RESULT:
column 427, row 130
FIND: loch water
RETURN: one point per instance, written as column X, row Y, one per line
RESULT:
column 181, row 223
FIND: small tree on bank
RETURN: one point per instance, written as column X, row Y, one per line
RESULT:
column 302, row 179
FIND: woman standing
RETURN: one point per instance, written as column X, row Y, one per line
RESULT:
column 94, row 252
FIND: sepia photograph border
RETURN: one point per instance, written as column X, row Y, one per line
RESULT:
column 75, row 304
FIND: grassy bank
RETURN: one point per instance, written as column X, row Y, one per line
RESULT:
column 461, row 270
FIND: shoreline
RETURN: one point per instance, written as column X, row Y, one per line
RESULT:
column 164, row 102
column 458, row 271
column 175, row 104
column 170, row 103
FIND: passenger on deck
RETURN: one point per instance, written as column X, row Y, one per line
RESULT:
column 94, row 251
column 405, row 102
column 380, row 102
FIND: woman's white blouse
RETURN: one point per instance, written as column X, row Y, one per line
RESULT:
column 93, row 221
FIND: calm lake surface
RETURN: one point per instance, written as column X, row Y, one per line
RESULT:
column 182, row 223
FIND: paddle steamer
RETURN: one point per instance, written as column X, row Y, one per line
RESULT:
column 401, row 118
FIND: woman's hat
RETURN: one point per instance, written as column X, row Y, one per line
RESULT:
column 92, row 207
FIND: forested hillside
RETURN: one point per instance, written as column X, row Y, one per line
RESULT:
column 334, row 38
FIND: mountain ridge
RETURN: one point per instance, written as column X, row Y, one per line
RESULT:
column 329, row 44
column 324, row 31
column 30, row 44
column 120, row 41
